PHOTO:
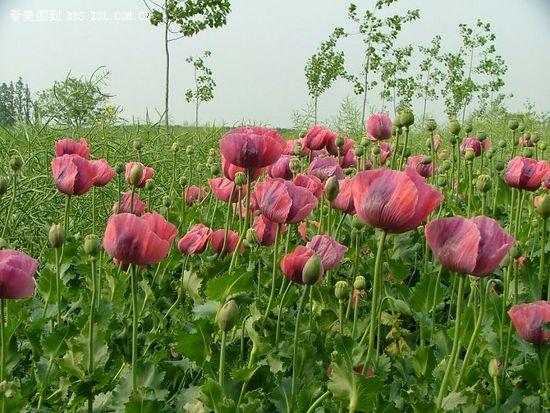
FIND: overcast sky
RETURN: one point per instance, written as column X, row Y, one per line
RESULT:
column 257, row 59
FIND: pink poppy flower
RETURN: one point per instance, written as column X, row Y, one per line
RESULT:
column 344, row 200
column 308, row 229
column 310, row 182
column 69, row 146
column 416, row 162
column 147, row 173
column 216, row 241
column 525, row 173
column 318, row 137
column 529, row 319
column 196, row 240
column 194, row 194
column 266, row 230
column 104, row 173
column 16, row 274
column 281, row 168
column 221, row 188
column 73, row 174
column 328, row 249
column 474, row 143
column 379, row 127
column 124, row 206
column 324, row 168
column 293, row 263
column 230, row 170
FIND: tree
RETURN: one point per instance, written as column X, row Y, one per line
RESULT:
column 204, row 83
column 15, row 103
column 74, row 102
column 192, row 17
column 454, row 87
column 398, row 87
column 378, row 35
column 430, row 75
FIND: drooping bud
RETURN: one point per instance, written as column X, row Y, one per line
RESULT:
column 150, row 184
column 92, row 246
column 483, row 184
column 431, row 125
column 341, row 290
column 240, row 179
column 313, row 270
column 119, row 168
column 427, row 160
column 513, row 124
column 228, row 316
column 468, row 128
column 332, row 188
column 360, row 283
column 16, row 163
column 56, row 236
column 4, row 182
column 136, row 173
column 376, row 150
column 543, row 206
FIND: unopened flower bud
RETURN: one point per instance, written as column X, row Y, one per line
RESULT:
column 4, row 182
column 502, row 144
column 136, row 173
column 427, row 160
column 228, row 316
column 251, row 236
column 407, row 118
column 515, row 251
column 332, row 188
column 495, row 366
column 240, row 179
column 442, row 181
column 468, row 128
column 302, row 134
column 454, row 127
column 138, row 145
column 453, row 140
column 339, row 141
column 376, row 150
column 360, row 283
column 3, row 243
column 364, row 142
column 483, row 183
column 189, row 150
column 528, row 152
column 431, row 125
column 56, row 236
column 499, row 166
column 481, row 136
column 149, row 184
column 295, row 165
column 313, row 270
column 490, row 153
column 341, row 290
column 119, row 168
column 16, row 163
column 513, row 124
column 92, row 246
column 174, row 147
column 469, row 154
column 359, row 151
column 542, row 146
column 397, row 121
column 543, row 206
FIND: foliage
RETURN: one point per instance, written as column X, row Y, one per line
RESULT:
column 16, row 105
column 203, row 90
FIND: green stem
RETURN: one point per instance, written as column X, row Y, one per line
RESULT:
column 278, row 328
column 58, row 283
column 295, row 346
column 10, row 207
column 434, row 298
column 406, row 130
column 66, row 215
column 2, row 349
column 542, row 264
column 317, row 402
column 355, row 314
column 341, row 316
column 222, row 358
column 91, row 332
column 274, row 273
column 454, row 350
column 227, row 218
column 470, row 184
column 93, row 209
column 134, row 326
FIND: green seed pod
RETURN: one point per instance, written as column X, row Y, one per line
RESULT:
column 189, row 150
column 332, row 188
column 495, row 367
column 360, row 283
column 397, row 122
column 468, row 128
column 359, row 151
column 298, row 149
column 431, row 125
column 500, row 165
column 489, row 154
column 313, row 270
column 240, row 179
column 16, row 163
column 470, row 154
column 442, row 181
column 483, row 183
column 454, row 127
column 136, row 173
column 4, row 182
column 482, row 135
column 149, row 184
column 357, row 223
column 92, row 246
column 174, row 147
column 340, row 141
column 536, row 137
column 228, row 316
column 295, row 165
column 56, row 236
column 528, row 152
column 515, row 251
column 376, row 150
column 167, row 201
column 502, row 144
column 119, row 168
column 138, row 145
column 215, row 170
column 407, row 118
column 341, row 290
column 543, row 206
column 513, row 124
column 521, row 127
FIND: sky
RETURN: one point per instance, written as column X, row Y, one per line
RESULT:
column 257, row 59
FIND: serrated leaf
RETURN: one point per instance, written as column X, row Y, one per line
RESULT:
column 453, row 400
column 220, row 287
column 192, row 284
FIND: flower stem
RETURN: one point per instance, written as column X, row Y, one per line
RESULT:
column 456, row 339
column 355, row 314
column 317, row 402
column 341, row 316
column 58, row 283
column 134, row 326
column 274, row 273
column 436, row 290
column 10, row 207
column 227, row 218
column 222, row 358
column 295, row 346
column 542, row 263
column 2, row 349
column 91, row 332
column 278, row 328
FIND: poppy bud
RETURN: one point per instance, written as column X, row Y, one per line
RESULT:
column 215, row 170
column 302, row 134
column 240, row 179
column 543, row 207
column 92, row 246
column 16, row 163
column 453, row 140
column 189, row 150
column 228, row 316
column 500, row 165
column 341, row 290
column 119, row 168
column 167, row 201
column 542, row 146
column 528, row 152
column 136, row 173
column 468, row 128
column 535, row 138
column 138, row 145
column 251, row 236
column 313, row 270
column 297, row 149
column 495, row 366
column 183, row 181
column 175, row 147
column 470, row 154
column 150, row 184
column 3, row 185
column 527, row 136
column 442, row 181
column 357, row 223
column 397, row 122
column 521, row 127
column 360, row 283
column 339, row 141
column 483, row 183
column 454, row 127
column 376, row 150
column 515, row 251
column 56, row 236
column 295, row 165
column 359, row 151
column 407, row 118
column 332, row 188
column 497, row 286
column 490, row 153
column 364, row 142
column 3, row 243
column 431, row 125
column 427, row 160
column 481, row 136
column 502, row 144
column 513, row 124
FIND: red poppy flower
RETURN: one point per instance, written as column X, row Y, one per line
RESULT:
column 474, row 143
column 291, row 143
column 194, row 194
column 545, row 182
column 103, row 172
column 344, row 200
column 147, row 173
column 525, row 143
column 473, row 246
column 525, row 173
column 283, row 202
column 293, row 263
column 221, row 188
column 137, row 240
column 324, row 168
column 16, row 274
column 281, row 168
column 196, row 240
column 349, row 159
column 265, row 230
column 216, row 241
column 230, row 170
column 385, row 151
column 310, row 182
column 328, row 249
column 392, row 200
column 124, row 206
column 73, row 174
column 528, row 320
column 318, row 137
column 252, row 147
column 69, row 146
column 332, row 148
column 379, row 127
column 308, row 229
column 416, row 162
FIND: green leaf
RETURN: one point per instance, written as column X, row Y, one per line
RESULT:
column 213, row 396
column 453, row 400
column 192, row 284
column 220, row 287
column 423, row 360
column 192, row 346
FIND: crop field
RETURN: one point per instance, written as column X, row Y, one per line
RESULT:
column 386, row 261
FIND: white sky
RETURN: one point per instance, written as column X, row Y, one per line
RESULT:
column 258, row 58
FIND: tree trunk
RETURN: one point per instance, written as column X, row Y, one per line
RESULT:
column 365, row 86
column 426, row 85
column 315, row 110
column 469, row 77
column 196, row 113
column 167, row 74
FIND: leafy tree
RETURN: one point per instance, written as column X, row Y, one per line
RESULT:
column 430, row 75
column 324, row 67
column 74, row 102
column 378, row 36
column 191, row 17
column 397, row 86
column 15, row 103
column 455, row 86
column 203, row 90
